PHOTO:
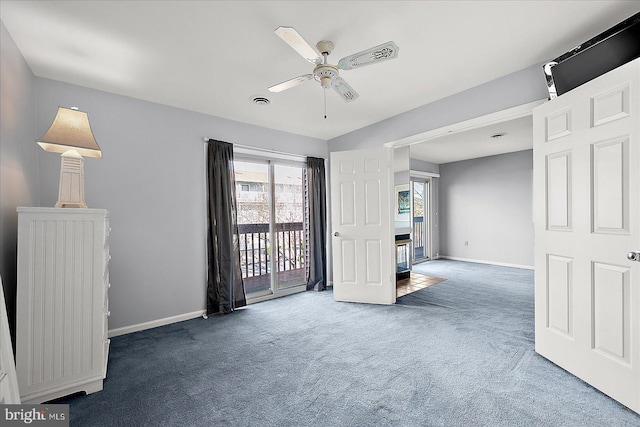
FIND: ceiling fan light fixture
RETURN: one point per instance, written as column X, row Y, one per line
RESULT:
column 326, row 74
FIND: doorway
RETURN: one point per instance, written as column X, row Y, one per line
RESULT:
column 420, row 208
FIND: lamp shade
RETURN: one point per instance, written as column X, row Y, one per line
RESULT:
column 70, row 130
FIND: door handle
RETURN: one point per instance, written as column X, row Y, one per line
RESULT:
column 634, row 256
column 336, row 234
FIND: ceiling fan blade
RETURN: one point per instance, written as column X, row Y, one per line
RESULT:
column 290, row 83
column 295, row 40
column 380, row 53
column 345, row 91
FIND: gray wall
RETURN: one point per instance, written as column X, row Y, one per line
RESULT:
column 151, row 179
column 423, row 166
column 488, row 202
column 18, row 156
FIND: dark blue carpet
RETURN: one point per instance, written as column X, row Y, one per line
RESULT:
column 459, row 353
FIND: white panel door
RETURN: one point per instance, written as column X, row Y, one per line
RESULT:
column 363, row 243
column 587, row 219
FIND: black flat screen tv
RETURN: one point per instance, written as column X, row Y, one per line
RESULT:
column 615, row 47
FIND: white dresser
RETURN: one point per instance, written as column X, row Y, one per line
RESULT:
column 62, row 340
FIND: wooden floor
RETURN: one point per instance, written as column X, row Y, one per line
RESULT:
column 414, row 283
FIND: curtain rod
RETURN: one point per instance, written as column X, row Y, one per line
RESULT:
column 265, row 150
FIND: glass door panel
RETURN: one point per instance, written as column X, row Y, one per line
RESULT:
column 427, row 220
column 253, row 213
column 271, row 216
column 289, row 253
column 420, row 209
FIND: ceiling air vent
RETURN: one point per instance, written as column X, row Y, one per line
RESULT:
column 260, row 100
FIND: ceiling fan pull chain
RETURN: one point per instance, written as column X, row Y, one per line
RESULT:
column 325, row 102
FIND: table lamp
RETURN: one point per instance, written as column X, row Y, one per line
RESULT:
column 70, row 134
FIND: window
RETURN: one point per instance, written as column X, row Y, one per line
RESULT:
column 271, row 226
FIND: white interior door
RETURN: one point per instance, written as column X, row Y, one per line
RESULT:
column 9, row 392
column 587, row 220
column 363, row 243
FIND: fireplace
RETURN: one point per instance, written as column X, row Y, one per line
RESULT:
column 403, row 256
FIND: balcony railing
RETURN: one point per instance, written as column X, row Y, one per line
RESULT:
column 256, row 250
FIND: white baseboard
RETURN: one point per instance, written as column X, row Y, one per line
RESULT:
column 477, row 261
column 188, row 316
column 155, row 323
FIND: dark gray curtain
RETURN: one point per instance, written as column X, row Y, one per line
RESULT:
column 316, row 200
column 225, row 289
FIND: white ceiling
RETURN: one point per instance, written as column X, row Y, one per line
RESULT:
column 213, row 56
column 471, row 144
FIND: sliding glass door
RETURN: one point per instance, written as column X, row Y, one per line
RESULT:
column 290, row 260
column 420, row 213
column 271, row 215
column 253, row 212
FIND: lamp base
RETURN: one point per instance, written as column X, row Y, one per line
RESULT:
column 70, row 205
column 71, row 190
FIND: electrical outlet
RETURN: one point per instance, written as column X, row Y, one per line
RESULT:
column 466, row 243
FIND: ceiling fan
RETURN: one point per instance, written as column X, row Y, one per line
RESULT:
column 325, row 73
